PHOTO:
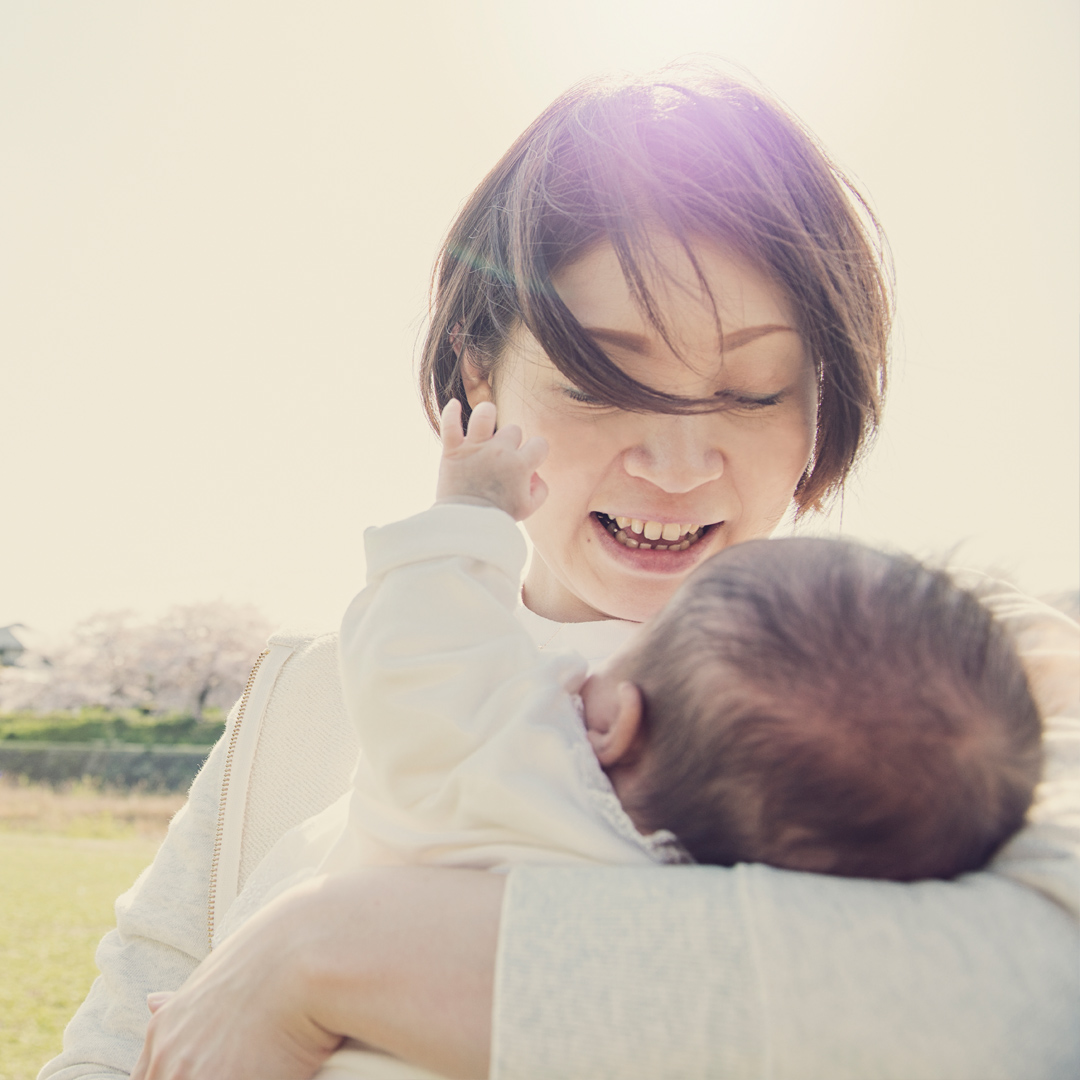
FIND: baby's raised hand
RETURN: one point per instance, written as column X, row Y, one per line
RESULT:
column 488, row 466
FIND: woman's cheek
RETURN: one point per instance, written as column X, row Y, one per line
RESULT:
column 794, row 443
column 577, row 446
column 767, row 463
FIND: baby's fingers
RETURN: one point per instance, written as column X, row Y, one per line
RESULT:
column 450, row 425
column 538, row 492
column 482, row 422
column 533, row 452
column 508, row 437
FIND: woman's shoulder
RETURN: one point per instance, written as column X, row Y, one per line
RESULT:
column 294, row 694
column 1045, row 854
column 1047, row 641
column 303, row 748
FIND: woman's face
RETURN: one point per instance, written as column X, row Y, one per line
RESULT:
column 612, row 541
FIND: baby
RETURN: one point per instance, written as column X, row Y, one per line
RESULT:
column 812, row 704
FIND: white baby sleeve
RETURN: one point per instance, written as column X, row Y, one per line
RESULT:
column 473, row 751
column 425, row 642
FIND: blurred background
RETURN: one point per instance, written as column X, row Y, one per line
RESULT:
column 217, row 222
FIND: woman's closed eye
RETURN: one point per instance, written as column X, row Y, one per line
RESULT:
column 735, row 399
column 574, row 394
column 739, row 399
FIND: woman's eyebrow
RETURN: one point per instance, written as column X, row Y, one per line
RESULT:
column 642, row 344
column 621, row 339
column 738, row 338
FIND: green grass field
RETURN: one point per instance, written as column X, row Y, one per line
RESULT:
column 63, row 861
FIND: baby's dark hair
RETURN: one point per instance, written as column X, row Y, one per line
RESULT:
column 820, row 705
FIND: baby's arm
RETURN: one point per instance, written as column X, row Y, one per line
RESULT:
column 473, row 751
column 434, row 632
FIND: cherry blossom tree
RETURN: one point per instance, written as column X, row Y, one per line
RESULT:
column 195, row 657
column 199, row 655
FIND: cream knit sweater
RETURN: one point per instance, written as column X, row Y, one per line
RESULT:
column 646, row 973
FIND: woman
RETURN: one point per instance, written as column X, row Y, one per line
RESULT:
column 668, row 281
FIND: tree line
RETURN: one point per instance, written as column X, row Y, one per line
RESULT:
column 193, row 659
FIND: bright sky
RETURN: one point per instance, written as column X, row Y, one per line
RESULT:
column 217, row 221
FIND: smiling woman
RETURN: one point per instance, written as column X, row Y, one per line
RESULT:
column 690, row 307
column 640, row 498
column 668, row 281
column 715, row 166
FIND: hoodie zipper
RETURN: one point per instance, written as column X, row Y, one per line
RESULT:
column 226, row 775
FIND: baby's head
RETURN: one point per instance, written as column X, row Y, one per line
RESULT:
column 819, row 705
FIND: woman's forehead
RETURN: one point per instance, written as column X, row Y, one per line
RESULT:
column 732, row 306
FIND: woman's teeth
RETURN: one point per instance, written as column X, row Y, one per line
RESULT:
column 655, row 535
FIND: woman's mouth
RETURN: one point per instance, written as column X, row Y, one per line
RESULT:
column 651, row 535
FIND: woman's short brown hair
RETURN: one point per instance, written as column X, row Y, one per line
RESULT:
column 694, row 153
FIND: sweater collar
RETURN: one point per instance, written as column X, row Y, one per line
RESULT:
column 594, row 640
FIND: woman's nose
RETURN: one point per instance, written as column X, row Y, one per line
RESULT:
column 676, row 453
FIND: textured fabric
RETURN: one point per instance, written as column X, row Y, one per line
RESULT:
column 617, row 971
column 761, row 974
column 656, row 962
column 310, row 755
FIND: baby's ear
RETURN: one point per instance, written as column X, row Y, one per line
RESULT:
column 617, row 730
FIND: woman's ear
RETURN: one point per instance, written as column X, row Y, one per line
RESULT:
column 477, row 385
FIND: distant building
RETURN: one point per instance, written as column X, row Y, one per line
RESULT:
column 11, row 648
